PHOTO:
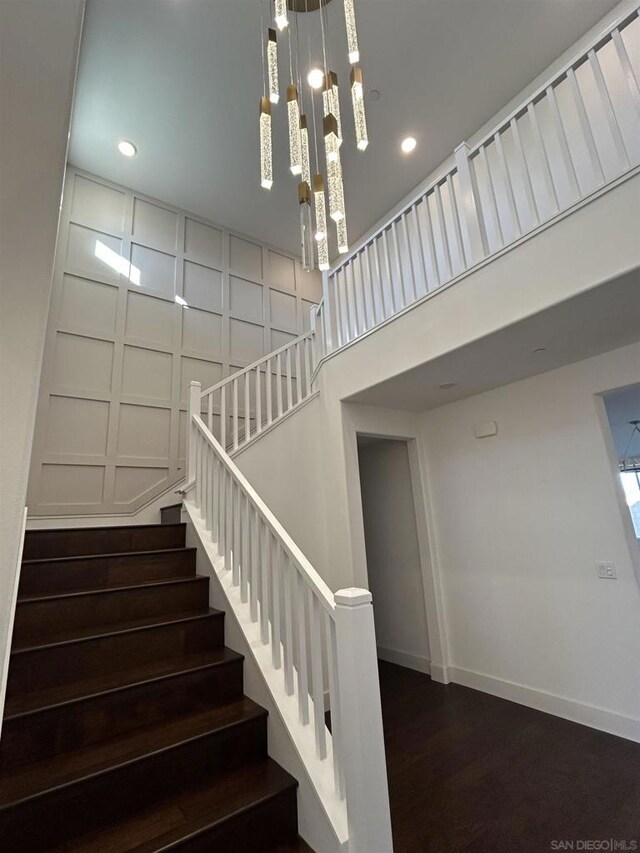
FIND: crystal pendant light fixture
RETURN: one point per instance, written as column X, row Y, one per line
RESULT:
column 304, row 150
column 320, row 206
column 281, row 14
column 266, row 157
column 295, row 151
column 306, row 226
column 272, row 66
column 331, row 101
column 341, row 233
column 331, row 142
column 359, row 116
column 352, row 32
column 336, row 190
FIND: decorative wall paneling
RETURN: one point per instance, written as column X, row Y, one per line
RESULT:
column 120, row 351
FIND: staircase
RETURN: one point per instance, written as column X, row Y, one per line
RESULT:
column 125, row 726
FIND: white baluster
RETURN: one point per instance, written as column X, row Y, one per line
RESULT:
column 585, row 126
column 289, row 378
column 301, row 631
column 265, row 547
column 276, row 593
column 627, row 69
column 269, row 379
column 400, row 275
column 544, row 156
column 329, row 313
column 235, row 509
column 297, row 346
column 455, row 216
column 528, row 185
column 223, row 417
column 193, row 409
column 516, row 224
column 334, row 703
column 279, row 383
column 255, row 565
column 412, row 290
column 259, row 400
column 562, row 141
column 210, row 412
column 288, row 577
column 234, row 413
column 317, row 679
column 446, row 252
column 246, row 552
column 247, row 406
column 607, row 106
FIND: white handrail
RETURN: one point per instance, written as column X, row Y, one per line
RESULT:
column 574, row 133
column 321, row 645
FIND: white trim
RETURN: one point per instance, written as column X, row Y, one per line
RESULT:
column 417, row 662
column 550, row 703
column 4, row 673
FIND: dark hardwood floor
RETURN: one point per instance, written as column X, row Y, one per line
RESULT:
column 470, row 773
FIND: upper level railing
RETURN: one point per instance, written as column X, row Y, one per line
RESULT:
column 577, row 132
column 312, row 646
column 249, row 401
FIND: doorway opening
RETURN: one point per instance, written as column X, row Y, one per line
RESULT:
column 394, row 564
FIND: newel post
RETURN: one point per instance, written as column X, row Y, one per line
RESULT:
column 193, row 408
column 472, row 222
column 360, row 724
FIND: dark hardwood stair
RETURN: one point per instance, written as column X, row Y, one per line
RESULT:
column 125, row 723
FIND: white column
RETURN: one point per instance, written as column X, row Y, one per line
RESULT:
column 476, row 245
column 193, row 408
column 360, row 725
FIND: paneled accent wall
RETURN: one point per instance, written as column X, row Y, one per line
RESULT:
column 121, row 351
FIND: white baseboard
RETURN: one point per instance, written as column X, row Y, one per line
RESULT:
column 550, row 703
column 417, row 662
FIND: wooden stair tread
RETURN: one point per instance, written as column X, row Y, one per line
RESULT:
column 106, row 590
column 62, row 542
column 96, row 632
column 42, row 700
column 68, row 768
column 107, row 555
column 169, row 823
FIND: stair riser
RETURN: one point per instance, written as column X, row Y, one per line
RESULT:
column 64, row 664
column 79, row 724
column 40, row 621
column 42, row 544
column 60, row 575
column 53, row 818
column 259, row 830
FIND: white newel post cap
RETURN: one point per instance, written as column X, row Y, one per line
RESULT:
column 352, row 597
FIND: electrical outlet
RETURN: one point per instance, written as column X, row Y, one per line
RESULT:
column 607, row 571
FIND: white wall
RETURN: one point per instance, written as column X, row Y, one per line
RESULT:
column 521, row 521
column 393, row 554
column 285, row 467
column 120, row 351
column 39, row 43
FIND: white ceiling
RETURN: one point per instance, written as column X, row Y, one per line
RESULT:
column 182, row 79
column 602, row 319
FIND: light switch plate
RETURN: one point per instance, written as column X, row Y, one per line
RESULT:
column 607, row 571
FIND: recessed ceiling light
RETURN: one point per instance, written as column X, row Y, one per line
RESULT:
column 315, row 78
column 408, row 144
column 374, row 95
column 447, row 385
column 127, row 149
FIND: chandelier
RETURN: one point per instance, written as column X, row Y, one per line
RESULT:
column 320, row 181
column 631, row 461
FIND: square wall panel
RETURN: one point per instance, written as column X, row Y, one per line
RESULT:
column 71, row 484
column 157, row 270
column 245, row 258
column 283, row 310
column 132, row 483
column 202, row 287
column 146, row 373
column 143, row 431
column 201, row 331
column 88, row 305
column 282, row 271
column 154, row 225
column 207, row 373
column 280, row 339
column 95, row 253
column 77, row 427
column 203, row 243
column 82, row 364
column 97, row 205
column 149, row 319
column 246, row 341
column 245, row 299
